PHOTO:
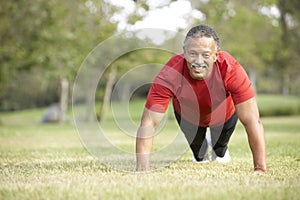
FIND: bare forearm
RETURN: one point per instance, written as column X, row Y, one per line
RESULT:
column 144, row 139
column 256, row 140
column 143, row 150
column 144, row 142
column 249, row 116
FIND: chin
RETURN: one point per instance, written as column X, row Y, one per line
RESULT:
column 198, row 77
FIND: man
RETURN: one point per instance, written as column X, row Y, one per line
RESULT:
column 208, row 88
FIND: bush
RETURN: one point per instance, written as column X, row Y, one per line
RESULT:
column 29, row 90
column 278, row 105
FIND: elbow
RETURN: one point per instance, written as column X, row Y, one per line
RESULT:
column 253, row 126
column 149, row 123
column 250, row 121
column 146, row 129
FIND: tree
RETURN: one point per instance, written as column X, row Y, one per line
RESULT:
column 53, row 37
column 287, row 55
column 244, row 32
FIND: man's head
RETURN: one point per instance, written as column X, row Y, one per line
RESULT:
column 201, row 47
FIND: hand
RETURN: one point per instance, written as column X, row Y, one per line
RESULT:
column 258, row 170
column 142, row 162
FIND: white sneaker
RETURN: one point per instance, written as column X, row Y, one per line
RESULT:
column 224, row 159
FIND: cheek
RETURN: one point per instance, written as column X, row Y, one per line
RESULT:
column 211, row 61
column 189, row 60
column 210, row 64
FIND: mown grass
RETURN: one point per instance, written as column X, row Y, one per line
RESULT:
column 48, row 161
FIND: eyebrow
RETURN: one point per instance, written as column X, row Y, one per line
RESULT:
column 191, row 50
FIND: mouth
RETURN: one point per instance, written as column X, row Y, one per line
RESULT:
column 199, row 66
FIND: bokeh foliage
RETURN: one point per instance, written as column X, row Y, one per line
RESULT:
column 44, row 41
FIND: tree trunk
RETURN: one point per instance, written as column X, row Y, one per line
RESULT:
column 252, row 77
column 63, row 104
column 286, row 84
column 285, row 42
column 124, row 94
column 107, row 94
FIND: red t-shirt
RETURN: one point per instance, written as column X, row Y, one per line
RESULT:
column 208, row 102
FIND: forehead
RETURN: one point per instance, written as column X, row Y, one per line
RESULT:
column 200, row 44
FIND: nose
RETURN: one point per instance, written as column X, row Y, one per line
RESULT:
column 199, row 59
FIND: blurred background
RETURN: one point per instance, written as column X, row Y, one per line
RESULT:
column 44, row 42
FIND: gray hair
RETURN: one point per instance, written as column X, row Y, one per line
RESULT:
column 200, row 31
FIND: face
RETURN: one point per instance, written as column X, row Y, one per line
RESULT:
column 200, row 54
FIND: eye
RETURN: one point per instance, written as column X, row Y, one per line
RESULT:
column 192, row 54
column 206, row 55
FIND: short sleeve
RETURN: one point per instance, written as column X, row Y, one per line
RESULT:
column 238, row 84
column 165, row 85
column 158, row 98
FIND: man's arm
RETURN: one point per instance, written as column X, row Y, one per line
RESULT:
column 249, row 116
column 144, row 140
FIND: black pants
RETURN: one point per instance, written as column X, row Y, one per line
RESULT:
column 195, row 136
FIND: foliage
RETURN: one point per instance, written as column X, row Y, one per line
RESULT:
column 51, row 36
column 287, row 54
column 278, row 105
column 27, row 93
column 153, row 58
column 256, row 39
column 50, row 39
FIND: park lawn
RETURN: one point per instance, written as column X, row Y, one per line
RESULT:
column 48, row 161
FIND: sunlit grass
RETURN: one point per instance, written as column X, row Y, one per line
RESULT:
column 49, row 161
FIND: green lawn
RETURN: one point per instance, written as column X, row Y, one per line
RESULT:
column 39, row 161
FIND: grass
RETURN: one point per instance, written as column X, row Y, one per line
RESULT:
column 48, row 161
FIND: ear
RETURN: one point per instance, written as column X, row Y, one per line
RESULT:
column 184, row 52
column 216, row 55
